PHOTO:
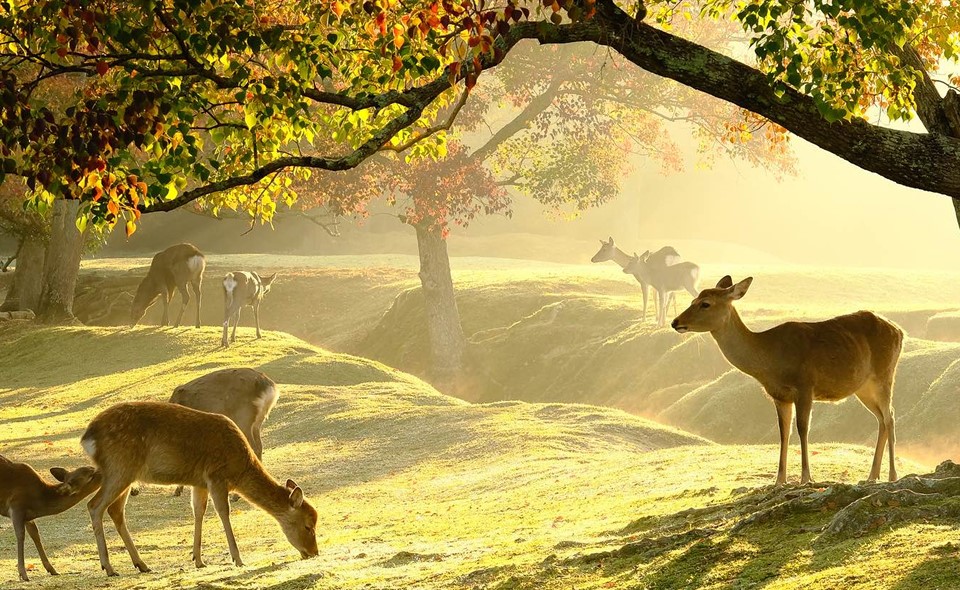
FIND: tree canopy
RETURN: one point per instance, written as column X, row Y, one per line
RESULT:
column 184, row 99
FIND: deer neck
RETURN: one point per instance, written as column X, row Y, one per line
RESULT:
column 621, row 257
column 264, row 491
column 54, row 499
column 741, row 346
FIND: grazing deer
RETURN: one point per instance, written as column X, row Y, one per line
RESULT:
column 246, row 396
column 24, row 496
column 800, row 362
column 165, row 443
column 665, row 278
column 242, row 288
column 666, row 255
column 174, row 268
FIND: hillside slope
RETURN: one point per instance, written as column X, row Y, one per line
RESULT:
column 393, row 465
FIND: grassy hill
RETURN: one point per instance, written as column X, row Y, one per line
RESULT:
column 416, row 489
column 545, row 332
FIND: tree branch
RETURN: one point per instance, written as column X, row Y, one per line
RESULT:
column 924, row 161
column 431, row 130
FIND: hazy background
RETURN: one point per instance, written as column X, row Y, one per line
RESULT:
column 831, row 213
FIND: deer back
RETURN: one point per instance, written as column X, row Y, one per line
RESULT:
column 244, row 395
column 167, row 443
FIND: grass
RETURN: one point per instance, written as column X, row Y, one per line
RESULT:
column 416, row 489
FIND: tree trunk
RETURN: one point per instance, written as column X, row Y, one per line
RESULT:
column 25, row 289
column 443, row 318
column 62, row 265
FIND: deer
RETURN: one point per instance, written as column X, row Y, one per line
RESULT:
column 798, row 363
column 242, row 288
column 25, row 496
column 164, row 443
column 609, row 251
column 664, row 278
column 244, row 395
column 177, row 267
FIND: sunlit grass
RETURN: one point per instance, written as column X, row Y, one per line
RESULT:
column 415, row 489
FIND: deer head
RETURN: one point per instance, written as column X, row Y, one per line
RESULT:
column 636, row 263
column 267, row 283
column 300, row 523
column 711, row 309
column 605, row 252
column 79, row 482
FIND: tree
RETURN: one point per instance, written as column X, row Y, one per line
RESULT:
column 260, row 80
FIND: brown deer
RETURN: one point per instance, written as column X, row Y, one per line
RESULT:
column 798, row 363
column 242, row 288
column 664, row 278
column 666, row 255
column 244, row 395
column 177, row 267
column 165, row 443
column 24, row 497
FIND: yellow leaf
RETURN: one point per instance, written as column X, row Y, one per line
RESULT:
column 131, row 227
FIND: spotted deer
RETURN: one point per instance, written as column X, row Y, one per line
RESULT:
column 666, row 255
column 665, row 278
column 25, row 496
column 164, row 443
column 798, row 363
column 242, row 288
column 244, row 395
column 176, row 268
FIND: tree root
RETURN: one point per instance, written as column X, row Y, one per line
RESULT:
column 863, row 508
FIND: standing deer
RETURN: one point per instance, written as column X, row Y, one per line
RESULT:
column 174, row 268
column 242, row 288
column 246, row 396
column 609, row 251
column 24, row 496
column 168, row 444
column 800, row 362
column 665, row 278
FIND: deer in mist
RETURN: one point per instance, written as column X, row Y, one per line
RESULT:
column 666, row 255
column 242, row 288
column 24, row 497
column 177, row 267
column 244, row 395
column 798, row 363
column 664, row 278
column 164, row 443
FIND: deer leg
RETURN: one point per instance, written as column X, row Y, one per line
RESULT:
column 165, row 298
column 871, row 397
column 891, row 441
column 97, row 505
column 34, row 533
column 116, row 512
column 227, row 314
column 673, row 297
column 185, row 300
column 662, row 316
column 218, row 493
column 804, row 405
column 236, row 322
column 197, row 294
column 784, row 418
column 256, row 317
column 198, row 499
column 643, row 289
column 18, row 529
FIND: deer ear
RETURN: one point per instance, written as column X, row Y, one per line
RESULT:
column 269, row 280
column 291, row 485
column 296, row 498
column 59, row 473
column 725, row 283
column 611, row 240
column 740, row 289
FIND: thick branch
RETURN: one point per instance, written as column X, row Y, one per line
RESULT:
column 533, row 109
column 446, row 125
column 924, row 161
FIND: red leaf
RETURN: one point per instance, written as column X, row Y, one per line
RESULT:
column 102, row 68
